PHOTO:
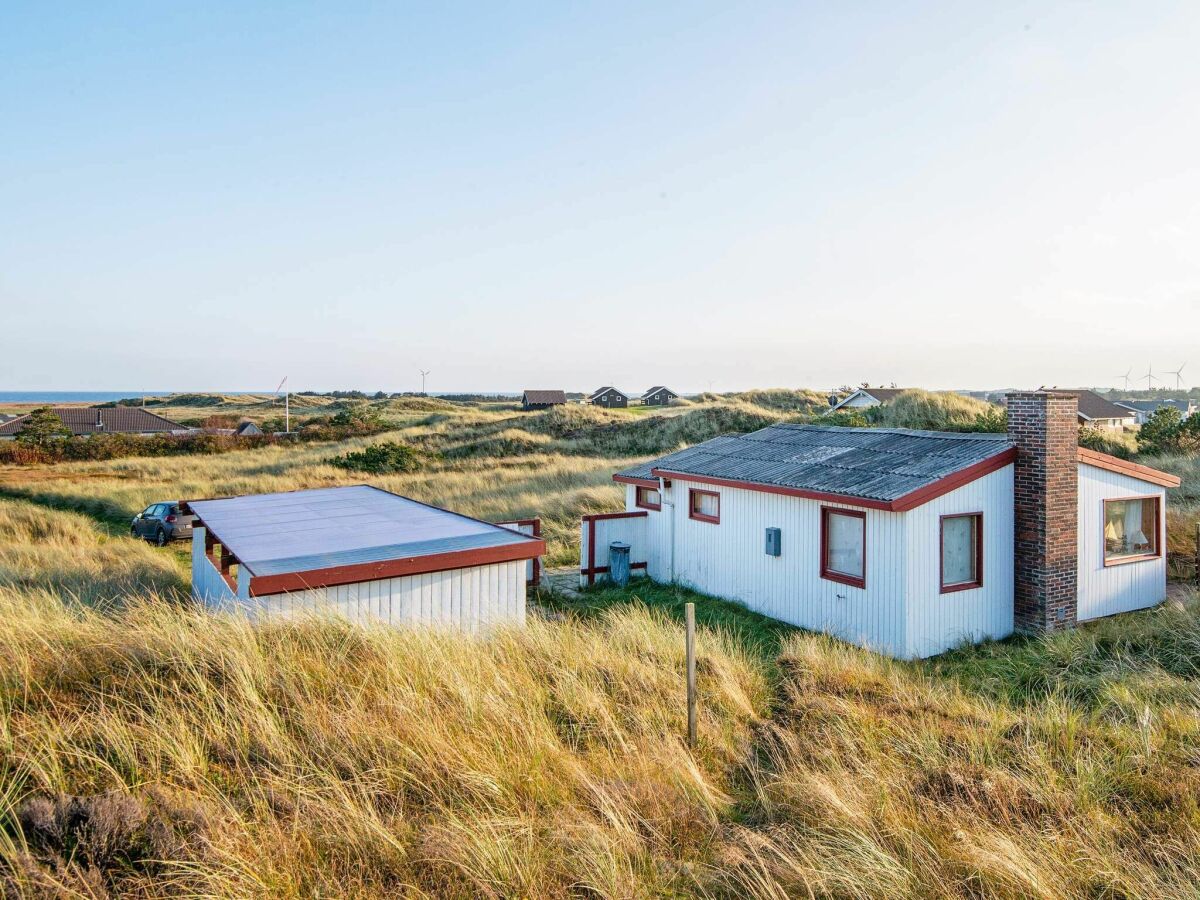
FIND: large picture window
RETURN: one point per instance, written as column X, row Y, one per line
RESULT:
column 844, row 546
column 1131, row 530
column 647, row 498
column 704, row 506
column 962, row 552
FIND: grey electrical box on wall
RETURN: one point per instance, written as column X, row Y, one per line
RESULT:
column 774, row 542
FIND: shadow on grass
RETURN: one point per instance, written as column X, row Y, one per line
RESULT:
column 760, row 635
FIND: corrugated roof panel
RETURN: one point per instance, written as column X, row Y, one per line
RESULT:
column 876, row 463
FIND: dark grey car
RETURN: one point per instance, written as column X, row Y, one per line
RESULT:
column 162, row 523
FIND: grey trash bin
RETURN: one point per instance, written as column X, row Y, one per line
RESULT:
column 618, row 562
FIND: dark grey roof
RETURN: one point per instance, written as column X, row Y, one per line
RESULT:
column 657, row 388
column 93, row 420
column 1093, row 406
column 1184, row 406
column 876, row 463
column 547, row 398
column 610, row 389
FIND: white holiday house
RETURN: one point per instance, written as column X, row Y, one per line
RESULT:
column 362, row 552
column 906, row 542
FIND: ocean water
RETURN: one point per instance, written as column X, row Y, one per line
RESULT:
column 54, row 397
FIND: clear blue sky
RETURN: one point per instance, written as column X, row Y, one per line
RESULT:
column 210, row 196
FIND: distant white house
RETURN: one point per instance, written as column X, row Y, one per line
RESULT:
column 1143, row 409
column 864, row 398
column 906, row 542
column 1096, row 412
column 363, row 553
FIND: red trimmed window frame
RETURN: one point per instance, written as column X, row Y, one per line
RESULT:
column 828, row 573
column 1144, row 557
column 646, row 504
column 977, row 582
column 693, row 493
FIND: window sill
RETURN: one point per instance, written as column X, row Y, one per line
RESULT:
column 966, row 586
column 1126, row 560
column 844, row 579
column 699, row 517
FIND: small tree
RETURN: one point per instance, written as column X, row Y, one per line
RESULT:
column 42, row 429
column 1162, row 432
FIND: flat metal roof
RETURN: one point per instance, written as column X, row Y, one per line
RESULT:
column 302, row 531
column 883, row 464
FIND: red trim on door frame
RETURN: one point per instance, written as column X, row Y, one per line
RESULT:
column 829, row 573
column 591, row 521
column 966, row 585
column 537, row 533
column 701, row 517
column 1158, row 531
column 900, row 504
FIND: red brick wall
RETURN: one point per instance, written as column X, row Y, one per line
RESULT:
column 1044, row 426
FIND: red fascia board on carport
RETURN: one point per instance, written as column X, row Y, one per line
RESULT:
column 262, row 585
column 911, row 500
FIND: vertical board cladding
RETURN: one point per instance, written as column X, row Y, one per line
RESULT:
column 630, row 529
column 472, row 599
column 728, row 559
column 208, row 586
column 656, row 535
column 940, row 621
column 901, row 610
column 1107, row 590
column 1044, row 426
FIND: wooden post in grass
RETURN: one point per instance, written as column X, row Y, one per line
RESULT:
column 1198, row 553
column 690, row 614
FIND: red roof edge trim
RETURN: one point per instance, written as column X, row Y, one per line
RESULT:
column 640, row 482
column 1127, row 468
column 262, row 585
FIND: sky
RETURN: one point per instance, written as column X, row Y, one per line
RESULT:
column 510, row 195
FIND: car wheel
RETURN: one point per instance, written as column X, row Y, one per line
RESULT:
column 133, row 532
column 161, row 538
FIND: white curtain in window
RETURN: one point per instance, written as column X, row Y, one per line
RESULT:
column 648, row 496
column 844, row 550
column 958, row 550
column 706, row 504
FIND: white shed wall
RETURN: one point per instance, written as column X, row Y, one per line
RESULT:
column 936, row 621
column 729, row 560
column 901, row 611
column 471, row 599
column 1121, row 588
column 207, row 584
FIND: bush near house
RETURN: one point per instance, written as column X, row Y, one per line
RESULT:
column 380, row 459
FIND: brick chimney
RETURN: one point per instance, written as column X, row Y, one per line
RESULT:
column 1045, row 427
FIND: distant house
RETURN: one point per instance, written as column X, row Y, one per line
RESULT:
column 659, row 396
column 1144, row 409
column 1096, row 412
column 542, row 399
column 610, row 398
column 89, row 420
column 247, row 429
column 864, row 398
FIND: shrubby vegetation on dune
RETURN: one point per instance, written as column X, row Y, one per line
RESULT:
column 941, row 411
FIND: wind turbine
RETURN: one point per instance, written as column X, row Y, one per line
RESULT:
column 1178, row 373
column 287, row 413
column 1126, row 377
column 423, row 372
column 1150, row 376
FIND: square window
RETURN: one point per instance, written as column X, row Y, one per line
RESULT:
column 962, row 552
column 1131, row 531
column 844, row 546
column 704, row 506
column 648, row 498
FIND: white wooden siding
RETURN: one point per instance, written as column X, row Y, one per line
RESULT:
column 631, row 530
column 472, row 599
column 936, row 621
column 1121, row 588
column 901, row 610
column 208, row 586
